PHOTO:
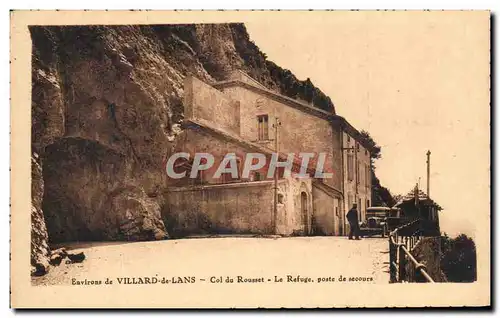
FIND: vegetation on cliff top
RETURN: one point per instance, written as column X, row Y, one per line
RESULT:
column 381, row 196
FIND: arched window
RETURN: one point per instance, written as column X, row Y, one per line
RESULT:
column 304, row 212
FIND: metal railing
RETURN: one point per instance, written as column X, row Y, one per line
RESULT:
column 403, row 266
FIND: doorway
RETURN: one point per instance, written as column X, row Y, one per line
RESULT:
column 305, row 216
column 338, row 217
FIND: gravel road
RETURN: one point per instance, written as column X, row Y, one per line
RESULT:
column 211, row 258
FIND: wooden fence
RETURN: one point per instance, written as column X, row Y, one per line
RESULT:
column 404, row 268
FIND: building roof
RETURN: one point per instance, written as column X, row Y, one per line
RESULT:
column 303, row 106
column 412, row 196
column 256, row 87
column 203, row 125
column 353, row 132
column 239, row 74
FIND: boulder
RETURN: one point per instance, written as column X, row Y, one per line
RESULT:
column 40, row 268
column 138, row 215
column 92, row 195
column 55, row 259
column 76, row 258
column 56, row 256
column 60, row 251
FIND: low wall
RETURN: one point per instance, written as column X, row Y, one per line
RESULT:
column 324, row 222
column 238, row 208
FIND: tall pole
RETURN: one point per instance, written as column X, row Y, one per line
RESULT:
column 275, row 210
column 341, row 207
column 428, row 173
column 356, row 171
column 343, row 179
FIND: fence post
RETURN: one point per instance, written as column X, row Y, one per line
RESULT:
column 402, row 264
column 392, row 261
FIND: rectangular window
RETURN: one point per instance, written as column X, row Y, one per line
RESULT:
column 350, row 167
column 263, row 127
column 257, row 176
column 367, row 176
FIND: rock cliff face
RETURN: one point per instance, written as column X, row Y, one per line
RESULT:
column 106, row 103
column 39, row 235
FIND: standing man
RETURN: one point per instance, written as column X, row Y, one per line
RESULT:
column 352, row 217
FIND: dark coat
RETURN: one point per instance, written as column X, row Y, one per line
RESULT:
column 352, row 215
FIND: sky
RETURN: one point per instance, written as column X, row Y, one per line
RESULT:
column 416, row 81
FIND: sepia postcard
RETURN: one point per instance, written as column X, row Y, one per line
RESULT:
column 243, row 159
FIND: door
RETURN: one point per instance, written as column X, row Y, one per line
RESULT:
column 305, row 216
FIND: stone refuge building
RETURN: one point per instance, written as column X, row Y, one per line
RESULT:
column 238, row 116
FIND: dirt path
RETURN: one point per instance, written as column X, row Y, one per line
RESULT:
column 204, row 258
